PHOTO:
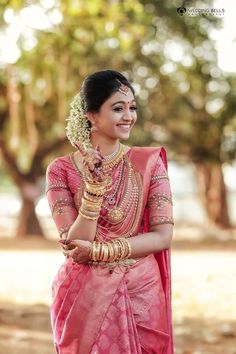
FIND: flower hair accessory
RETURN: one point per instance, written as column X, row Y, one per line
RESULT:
column 78, row 127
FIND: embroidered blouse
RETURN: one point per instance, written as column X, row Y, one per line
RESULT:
column 64, row 192
column 160, row 196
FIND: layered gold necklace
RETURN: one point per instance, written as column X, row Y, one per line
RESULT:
column 121, row 208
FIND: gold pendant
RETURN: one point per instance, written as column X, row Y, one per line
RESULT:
column 115, row 215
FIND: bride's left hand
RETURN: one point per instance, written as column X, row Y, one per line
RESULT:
column 77, row 250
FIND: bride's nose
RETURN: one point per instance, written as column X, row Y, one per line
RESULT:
column 127, row 116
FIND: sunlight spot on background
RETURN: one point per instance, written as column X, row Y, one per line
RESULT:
column 187, row 60
column 109, row 26
column 55, row 17
column 151, row 82
column 168, row 68
column 42, row 208
column 9, row 15
column 142, row 71
column 23, row 24
column 226, row 37
column 214, row 106
column 183, row 87
column 9, row 205
column 137, row 88
column 215, row 86
column 112, row 43
column 173, row 50
column 34, row 16
column 48, row 4
column 143, row 94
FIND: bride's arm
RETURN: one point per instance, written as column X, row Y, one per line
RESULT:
column 151, row 242
column 65, row 215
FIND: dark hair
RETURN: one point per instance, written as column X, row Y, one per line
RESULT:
column 99, row 86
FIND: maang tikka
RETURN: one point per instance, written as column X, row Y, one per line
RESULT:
column 123, row 88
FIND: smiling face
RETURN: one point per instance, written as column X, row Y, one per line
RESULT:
column 115, row 118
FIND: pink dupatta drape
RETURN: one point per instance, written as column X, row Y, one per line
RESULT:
column 126, row 312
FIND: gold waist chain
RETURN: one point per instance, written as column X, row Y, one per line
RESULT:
column 128, row 262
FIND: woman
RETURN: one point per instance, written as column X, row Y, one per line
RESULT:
column 113, row 210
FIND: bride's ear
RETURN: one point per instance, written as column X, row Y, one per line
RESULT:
column 91, row 117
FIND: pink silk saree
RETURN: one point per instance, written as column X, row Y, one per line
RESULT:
column 128, row 311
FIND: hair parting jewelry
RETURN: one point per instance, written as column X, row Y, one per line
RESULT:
column 123, row 88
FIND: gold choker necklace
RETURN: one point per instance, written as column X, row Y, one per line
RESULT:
column 109, row 157
column 114, row 161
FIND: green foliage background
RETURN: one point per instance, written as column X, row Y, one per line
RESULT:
column 185, row 102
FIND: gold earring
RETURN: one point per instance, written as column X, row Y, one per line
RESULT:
column 93, row 128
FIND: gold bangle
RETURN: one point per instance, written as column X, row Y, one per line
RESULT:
column 97, row 188
column 120, row 248
column 111, row 252
column 94, row 195
column 103, row 251
column 130, row 250
column 127, row 248
column 88, row 217
column 93, row 199
column 89, row 212
column 99, row 245
column 123, row 248
column 90, row 206
column 89, row 202
column 106, row 254
column 94, row 251
column 116, row 250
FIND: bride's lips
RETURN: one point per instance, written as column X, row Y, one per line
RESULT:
column 124, row 127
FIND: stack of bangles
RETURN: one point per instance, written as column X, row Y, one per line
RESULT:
column 110, row 251
column 92, row 200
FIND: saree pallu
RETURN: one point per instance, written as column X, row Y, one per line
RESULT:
column 126, row 312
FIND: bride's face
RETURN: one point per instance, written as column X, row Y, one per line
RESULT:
column 116, row 117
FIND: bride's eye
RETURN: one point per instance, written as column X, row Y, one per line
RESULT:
column 117, row 109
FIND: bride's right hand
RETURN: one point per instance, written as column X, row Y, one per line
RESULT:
column 92, row 163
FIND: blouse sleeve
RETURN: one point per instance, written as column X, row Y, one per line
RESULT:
column 60, row 198
column 160, row 196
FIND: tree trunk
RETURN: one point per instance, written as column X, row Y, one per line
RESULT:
column 28, row 223
column 13, row 98
column 213, row 193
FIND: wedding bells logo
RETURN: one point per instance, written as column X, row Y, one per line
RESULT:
column 193, row 11
column 181, row 10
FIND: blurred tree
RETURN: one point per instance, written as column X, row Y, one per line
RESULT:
column 146, row 40
column 75, row 38
column 195, row 112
